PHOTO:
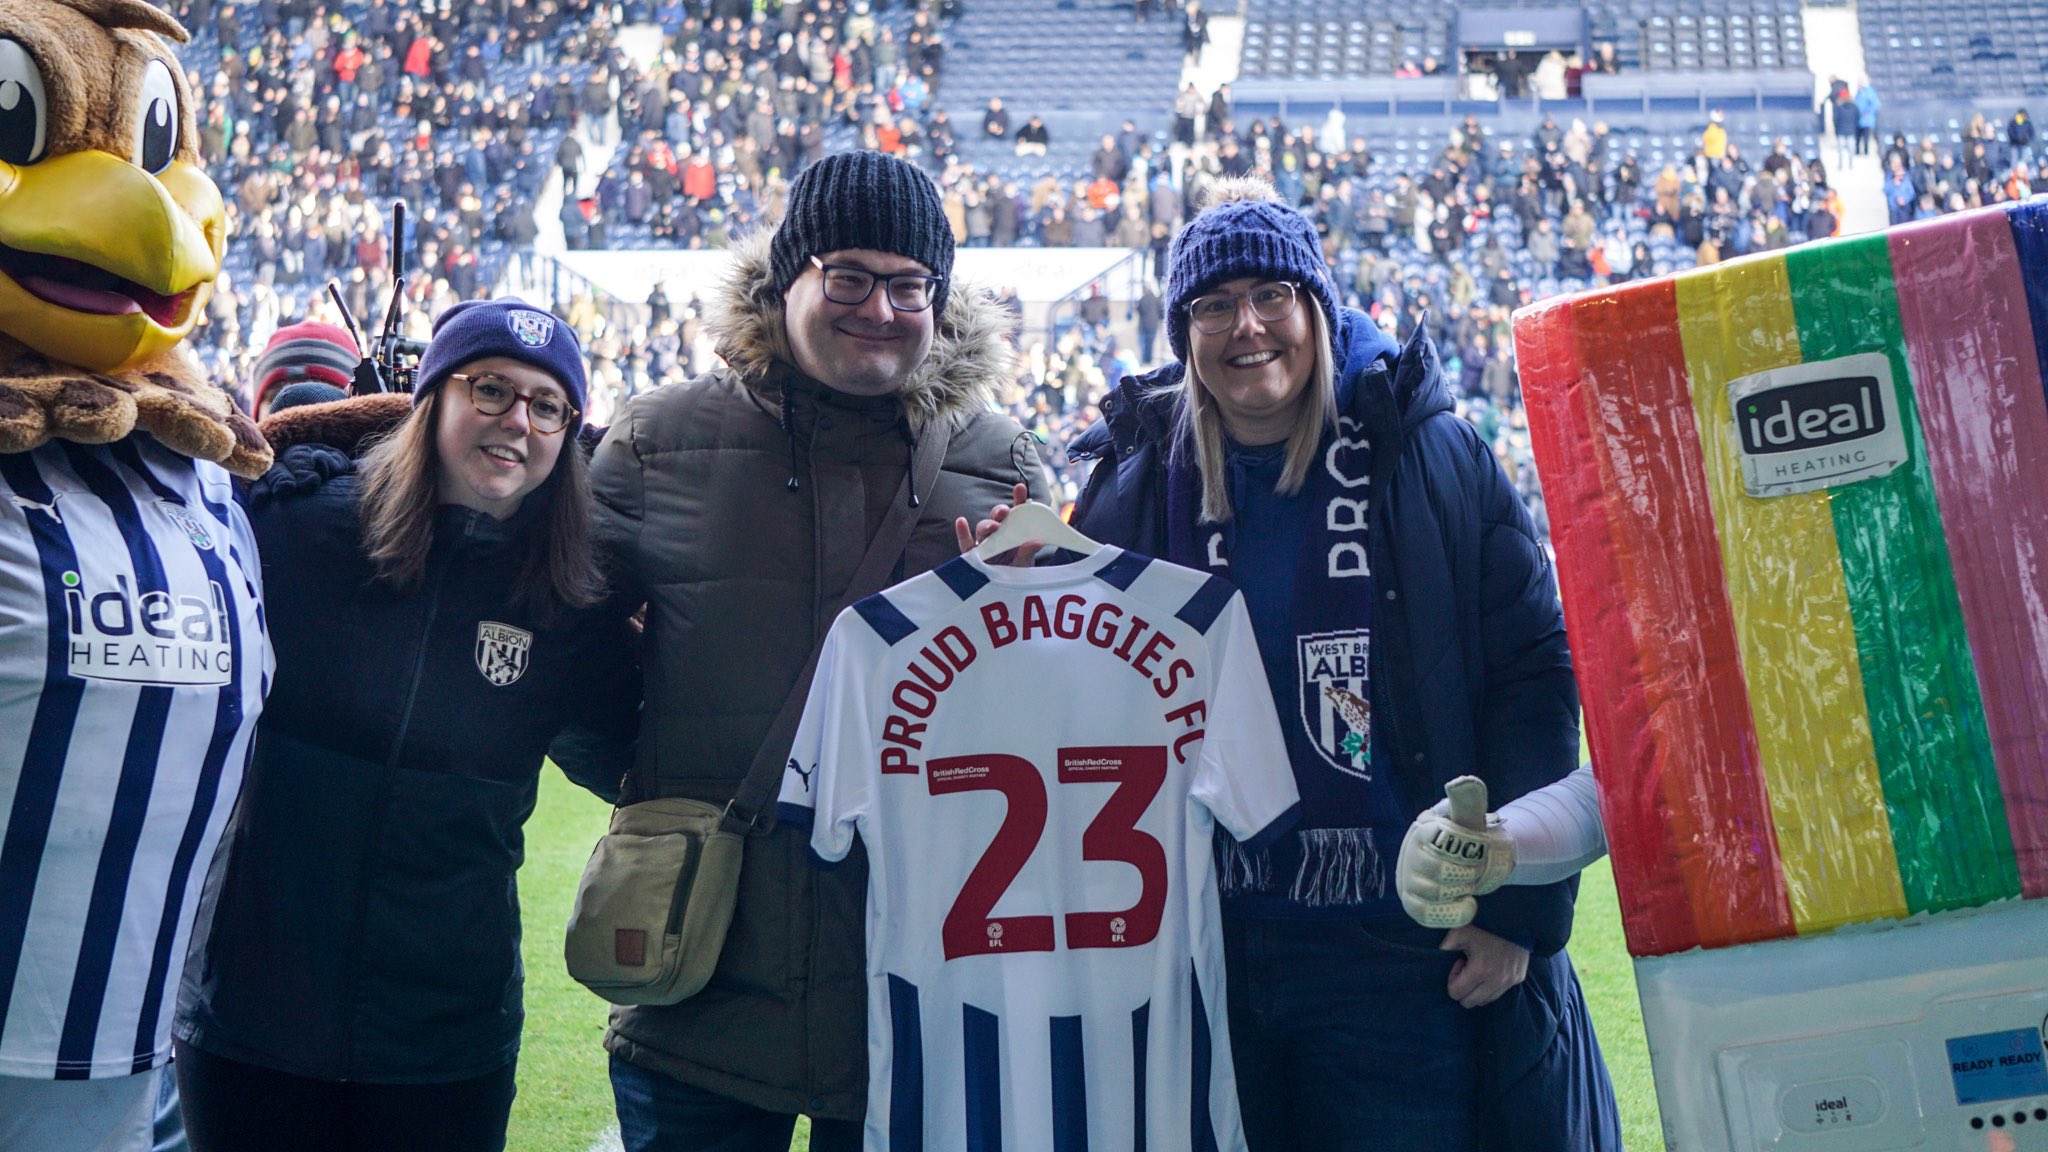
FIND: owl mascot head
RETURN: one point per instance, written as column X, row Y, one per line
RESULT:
column 110, row 236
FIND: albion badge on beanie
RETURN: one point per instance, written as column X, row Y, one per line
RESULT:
column 511, row 328
column 863, row 200
column 305, row 351
column 1243, row 237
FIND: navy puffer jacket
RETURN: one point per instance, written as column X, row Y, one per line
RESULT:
column 1468, row 657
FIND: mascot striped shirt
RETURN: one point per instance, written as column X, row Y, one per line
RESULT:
column 1036, row 760
column 133, row 662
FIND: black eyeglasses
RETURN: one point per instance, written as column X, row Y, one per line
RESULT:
column 906, row 291
column 493, row 395
column 1214, row 314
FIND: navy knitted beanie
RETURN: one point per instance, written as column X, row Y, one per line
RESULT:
column 509, row 327
column 1237, row 238
column 303, row 393
column 863, row 200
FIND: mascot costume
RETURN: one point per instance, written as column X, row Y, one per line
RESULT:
column 133, row 657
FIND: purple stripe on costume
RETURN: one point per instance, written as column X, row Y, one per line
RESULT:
column 1963, row 308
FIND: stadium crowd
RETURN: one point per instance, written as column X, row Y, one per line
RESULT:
column 316, row 115
column 855, row 368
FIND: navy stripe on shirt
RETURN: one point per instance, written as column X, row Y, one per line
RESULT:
column 1141, row 1034
column 982, row 1065
column 906, row 1067
column 885, row 618
column 49, row 735
column 131, row 793
column 1122, row 572
column 1069, row 1086
column 1202, row 609
column 963, row 578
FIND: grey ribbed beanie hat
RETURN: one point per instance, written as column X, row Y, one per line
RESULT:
column 863, row 200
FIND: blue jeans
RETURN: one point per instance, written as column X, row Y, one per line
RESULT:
column 1345, row 1038
column 170, row 1122
column 658, row 1113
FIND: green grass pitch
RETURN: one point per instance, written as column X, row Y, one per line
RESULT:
column 565, row 1100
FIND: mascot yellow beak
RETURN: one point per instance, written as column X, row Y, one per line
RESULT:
column 103, row 265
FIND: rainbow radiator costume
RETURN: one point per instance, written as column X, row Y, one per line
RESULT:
column 1810, row 708
column 1800, row 504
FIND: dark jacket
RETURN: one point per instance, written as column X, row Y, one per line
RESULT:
column 365, row 916
column 743, row 575
column 1469, row 662
column 1468, row 655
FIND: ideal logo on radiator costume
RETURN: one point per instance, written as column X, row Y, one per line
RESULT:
column 1811, row 426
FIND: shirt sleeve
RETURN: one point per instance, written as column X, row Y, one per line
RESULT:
column 829, row 778
column 245, row 554
column 1242, row 775
column 1556, row 829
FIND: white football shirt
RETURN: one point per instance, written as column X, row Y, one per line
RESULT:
column 133, row 664
column 1035, row 760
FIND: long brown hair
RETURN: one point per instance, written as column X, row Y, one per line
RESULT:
column 400, row 493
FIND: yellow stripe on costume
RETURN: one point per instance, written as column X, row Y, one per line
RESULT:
column 1792, row 619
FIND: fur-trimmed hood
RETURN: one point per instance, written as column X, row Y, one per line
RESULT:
column 349, row 424
column 971, row 356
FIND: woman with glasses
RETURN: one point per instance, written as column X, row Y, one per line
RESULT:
column 437, row 618
column 1411, row 635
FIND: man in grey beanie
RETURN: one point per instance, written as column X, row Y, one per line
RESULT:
column 855, row 396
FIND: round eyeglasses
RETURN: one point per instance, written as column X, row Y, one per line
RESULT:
column 494, row 395
column 1215, row 313
column 905, row 291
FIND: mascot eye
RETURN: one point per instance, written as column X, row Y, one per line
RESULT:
column 156, row 125
column 23, row 108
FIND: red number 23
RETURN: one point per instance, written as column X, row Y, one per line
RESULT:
column 1137, row 772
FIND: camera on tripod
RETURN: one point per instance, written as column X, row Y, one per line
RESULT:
column 389, row 364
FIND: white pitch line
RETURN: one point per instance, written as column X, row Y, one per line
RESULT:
column 608, row 1141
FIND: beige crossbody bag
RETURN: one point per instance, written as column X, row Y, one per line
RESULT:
column 657, row 896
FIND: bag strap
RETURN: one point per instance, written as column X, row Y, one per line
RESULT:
column 876, row 566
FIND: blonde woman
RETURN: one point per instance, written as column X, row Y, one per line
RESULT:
column 1411, row 634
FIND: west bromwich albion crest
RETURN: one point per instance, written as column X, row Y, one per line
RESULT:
column 534, row 329
column 501, row 651
column 1336, row 698
column 183, row 518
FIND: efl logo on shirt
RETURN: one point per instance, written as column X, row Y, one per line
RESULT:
column 153, row 638
column 1813, row 426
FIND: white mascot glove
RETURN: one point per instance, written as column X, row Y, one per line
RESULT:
column 1452, row 853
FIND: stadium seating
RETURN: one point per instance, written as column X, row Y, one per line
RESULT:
column 1333, row 39
column 1083, row 65
column 1935, row 49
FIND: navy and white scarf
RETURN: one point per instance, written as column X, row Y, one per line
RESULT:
column 1314, row 633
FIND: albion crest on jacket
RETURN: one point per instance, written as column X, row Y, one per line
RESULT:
column 501, row 651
